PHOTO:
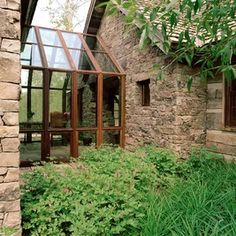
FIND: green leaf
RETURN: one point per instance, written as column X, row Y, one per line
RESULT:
column 189, row 82
column 142, row 42
column 160, row 75
column 153, row 14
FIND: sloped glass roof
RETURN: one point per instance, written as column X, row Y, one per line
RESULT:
column 55, row 49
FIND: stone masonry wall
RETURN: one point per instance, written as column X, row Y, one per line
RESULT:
column 9, row 108
column 175, row 117
column 217, row 136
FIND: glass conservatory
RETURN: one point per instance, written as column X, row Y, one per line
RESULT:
column 72, row 95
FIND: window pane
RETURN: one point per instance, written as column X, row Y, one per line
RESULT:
column 60, row 145
column 72, row 40
column 56, row 58
column 93, row 44
column 104, row 61
column 30, row 146
column 60, row 80
column 31, row 101
column 50, row 37
column 30, row 35
column 37, row 80
column 81, row 60
column 87, row 138
column 31, row 78
column 111, row 137
column 111, row 101
column 87, row 101
column 30, row 55
column 60, row 101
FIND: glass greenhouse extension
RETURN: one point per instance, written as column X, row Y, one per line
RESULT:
column 72, row 95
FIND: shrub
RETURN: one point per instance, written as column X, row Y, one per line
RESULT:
column 105, row 194
column 201, row 204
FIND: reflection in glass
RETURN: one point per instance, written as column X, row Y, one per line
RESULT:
column 60, row 100
column 104, row 61
column 87, row 100
column 50, row 37
column 72, row 40
column 111, row 137
column 31, row 101
column 30, row 55
column 92, row 43
column 81, row 60
column 111, row 101
column 30, row 146
column 56, row 58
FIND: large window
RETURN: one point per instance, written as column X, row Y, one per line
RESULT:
column 230, row 103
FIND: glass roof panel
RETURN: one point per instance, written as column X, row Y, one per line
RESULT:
column 104, row 61
column 50, row 37
column 56, row 57
column 31, row 36
column 93, row 43
column 72, row 40
column 30, row 55
column 81, row 60
column 88, row 54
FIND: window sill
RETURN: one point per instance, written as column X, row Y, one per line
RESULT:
column 229, row 129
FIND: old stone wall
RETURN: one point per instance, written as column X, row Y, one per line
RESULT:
column 9, row 108
column 218, row 137
column 175, row 117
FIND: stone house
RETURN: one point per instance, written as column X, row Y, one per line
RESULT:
column 157, row 112
column 164, row 112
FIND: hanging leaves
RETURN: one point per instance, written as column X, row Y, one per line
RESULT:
column 213, row 45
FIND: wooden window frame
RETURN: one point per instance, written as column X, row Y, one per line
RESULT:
column 145, row 92
column 229, row 120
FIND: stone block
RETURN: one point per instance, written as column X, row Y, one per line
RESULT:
column 1, row 122
column 6, row 206
column 10, row 144
column 12, row 175
column 9, row 91
column 13, row 5
column 9, row 159
column 9, row 106
column 11, row 118
column 10, row 66
column 9, row 131
column 10, row 45
column 214, row 120
column 223, row 137
column 12, row 219
column 222, row 148
column 3, row 3
column 9, row 191
column 3, row 171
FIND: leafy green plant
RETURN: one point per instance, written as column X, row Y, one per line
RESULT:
column 202, row 204
column 103, row 195
column 211, row 48
column 111, row 191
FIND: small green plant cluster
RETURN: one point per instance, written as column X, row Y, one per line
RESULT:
column 6, row 231
column 105, row 194
column 150, row 192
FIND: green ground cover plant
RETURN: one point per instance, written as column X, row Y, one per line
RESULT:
column 115, row 192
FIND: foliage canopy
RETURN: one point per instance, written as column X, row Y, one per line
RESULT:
column 205, row 31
